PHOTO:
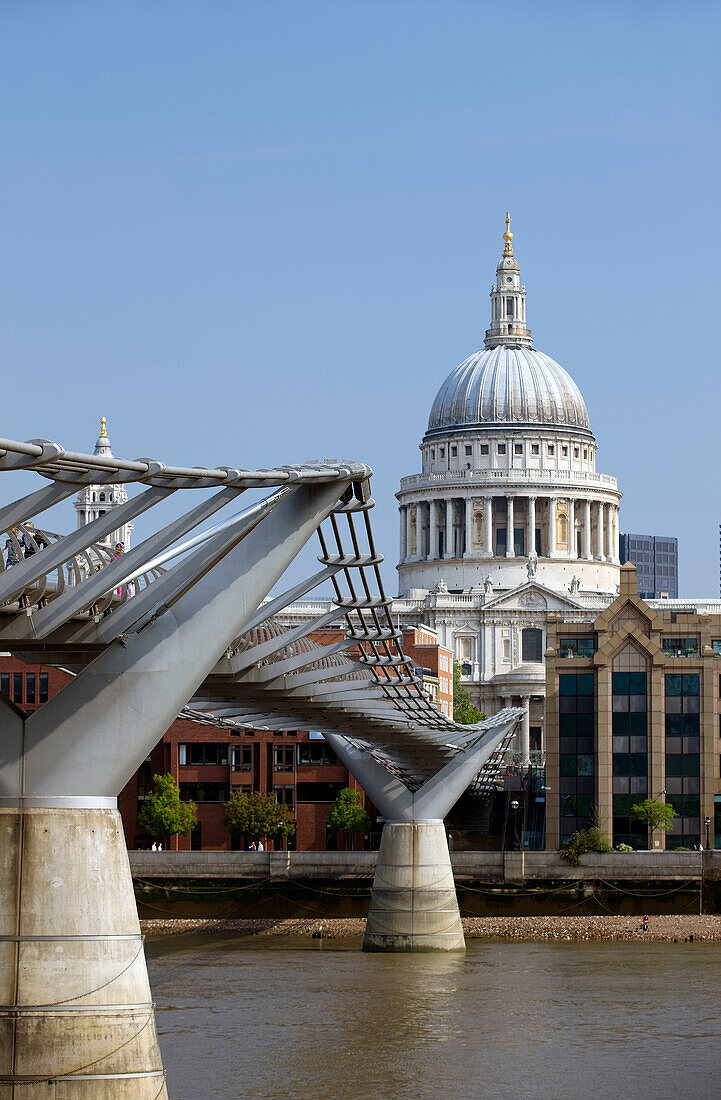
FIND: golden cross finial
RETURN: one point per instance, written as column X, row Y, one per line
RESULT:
column 508, row 237
column 103, row 422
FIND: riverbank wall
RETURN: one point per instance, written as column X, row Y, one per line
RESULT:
column 276, row 885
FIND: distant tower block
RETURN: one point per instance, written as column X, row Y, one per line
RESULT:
column 97, row 500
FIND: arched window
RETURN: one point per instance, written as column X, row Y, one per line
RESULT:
column 102, row 496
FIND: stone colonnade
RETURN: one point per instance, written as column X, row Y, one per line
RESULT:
column 478, row 527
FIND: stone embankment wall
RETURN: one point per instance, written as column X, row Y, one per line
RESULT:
column 338, row 884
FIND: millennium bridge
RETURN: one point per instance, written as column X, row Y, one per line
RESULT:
column 189, row 615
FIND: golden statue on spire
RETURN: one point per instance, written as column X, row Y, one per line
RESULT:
column 103, row 422
column 508, row 237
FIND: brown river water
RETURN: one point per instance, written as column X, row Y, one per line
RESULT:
column 294, row 1019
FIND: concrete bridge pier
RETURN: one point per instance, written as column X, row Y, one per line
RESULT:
column 413, row 904
column 77, row 1020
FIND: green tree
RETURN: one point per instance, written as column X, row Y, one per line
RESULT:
column 463, row 709
column 257, row 816
column 592, row 839
column 164, row 814
column 654, row 814
column 347, row 814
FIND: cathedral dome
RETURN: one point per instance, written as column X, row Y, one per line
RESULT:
column 508, row 385
column 509, row 382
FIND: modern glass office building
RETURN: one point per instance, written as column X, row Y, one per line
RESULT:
column 656, row 560
column 633, row 711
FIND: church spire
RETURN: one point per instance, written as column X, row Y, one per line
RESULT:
column 508, row 301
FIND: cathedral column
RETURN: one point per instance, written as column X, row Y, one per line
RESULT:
column 510, row 547
column 432, row 530
column 525, row 731
column 587, row 530
column 572, row 551
column 403, row 532
column 551, row 527
column 449, row 529
column 468, row 552
column 489, row 525
column 609, row 532
column 408, row 531
column 531, row 526
column 600, row 539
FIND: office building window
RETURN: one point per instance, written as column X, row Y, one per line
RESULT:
column 202, row 753
column 17, row 687
column 576, row 727
column 630, row 755
column 318, row 792
column 43, row 683
column 315, row 753
column 683, row 759
column 204, row 792
column 282, row 759
column 241, row 758
column 576, row 647
column 5, row 683
column 30, row 687
column 284, row 795
column 681, row 647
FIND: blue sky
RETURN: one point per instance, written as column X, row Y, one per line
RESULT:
column 251, row 234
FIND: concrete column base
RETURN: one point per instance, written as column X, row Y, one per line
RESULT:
column 76, row 1015
column 414, row 905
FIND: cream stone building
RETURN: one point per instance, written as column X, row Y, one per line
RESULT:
column 509, row 520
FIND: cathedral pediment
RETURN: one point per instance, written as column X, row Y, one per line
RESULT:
column 532, row 597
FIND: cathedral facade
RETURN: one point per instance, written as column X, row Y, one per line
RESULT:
column 508, row 522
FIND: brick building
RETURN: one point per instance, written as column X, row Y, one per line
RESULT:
column 434, row 662
column 210, row 762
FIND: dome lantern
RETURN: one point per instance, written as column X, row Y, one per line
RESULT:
column 508, row 301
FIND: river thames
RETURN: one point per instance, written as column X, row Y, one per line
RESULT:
column 241, row 1017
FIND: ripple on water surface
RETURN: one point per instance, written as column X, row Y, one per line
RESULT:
column 269, row 1018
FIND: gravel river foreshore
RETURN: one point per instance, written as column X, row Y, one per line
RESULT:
column 668, row 929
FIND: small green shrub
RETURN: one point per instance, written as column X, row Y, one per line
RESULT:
column 624, row 848
column 587, row 840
